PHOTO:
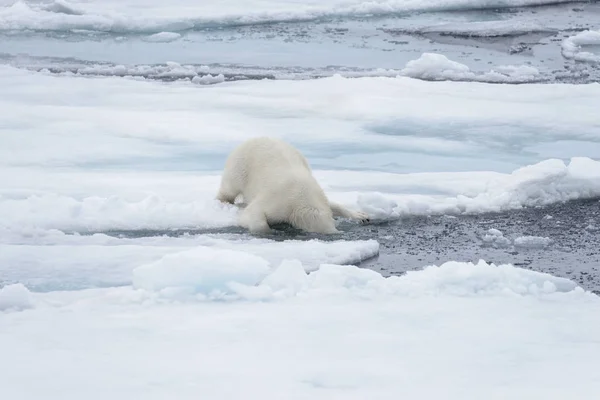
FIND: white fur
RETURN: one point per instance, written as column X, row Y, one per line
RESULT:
column 277, row 185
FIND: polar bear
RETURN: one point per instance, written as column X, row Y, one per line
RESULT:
column 278, row 186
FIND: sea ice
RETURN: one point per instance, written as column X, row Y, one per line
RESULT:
column 201, row 270
column 14, row 297
column 532, row 242
column 340, row 331
column 573, row 46
column 495, row 238
column 163, row 37
column 137, row 16
column 437, row 67
column 111, row 162
column 208, row 79
column 57, row 261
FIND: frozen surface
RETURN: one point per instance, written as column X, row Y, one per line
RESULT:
column 52, row 260
column 121, row 276
column 573, row 46
column 338, row 332
column 111, row 162
column 298, row 40
column 108, row 162
column 155, row 16
column 201, row 270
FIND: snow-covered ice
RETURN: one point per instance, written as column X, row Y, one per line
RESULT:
column 121, row 276
column 158, row 16
column 111, row 161
column 473, row 329
column 574, row 46
column 431, row 66
column 54, row 260
column 285, row 39
column 201, row 270
column 14, row 297
column 208, row 79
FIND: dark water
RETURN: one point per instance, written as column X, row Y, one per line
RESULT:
column 573, row 228
column 415, row 242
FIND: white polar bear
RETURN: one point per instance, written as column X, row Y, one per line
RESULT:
column 277, row 185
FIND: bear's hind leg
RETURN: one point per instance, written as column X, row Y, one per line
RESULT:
column 254, row 219
column 226, row 195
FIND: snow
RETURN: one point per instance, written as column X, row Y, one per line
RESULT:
column 467, row 279
column 435, row 66
column 15, row 297
column 156, row 16
column 451, row 278
column 111, row 162
column 119, row 270
column 287, row 280
column 432, row 66
column 572, row 46
column 379, row 207
column 121, row 275
column 337, row 332
column 187, row 202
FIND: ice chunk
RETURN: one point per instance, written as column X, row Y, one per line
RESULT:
column 433, row 66
column 163, row 37
column 202, row 270
column 532, row 242
column 437, row 67
column 208, row 79
column 15, row 297
column 572, row 47
column 495, row 238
